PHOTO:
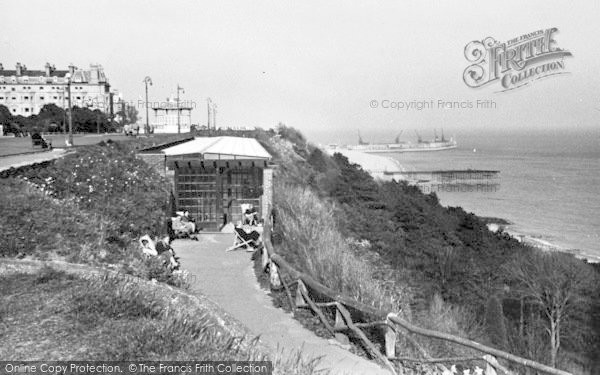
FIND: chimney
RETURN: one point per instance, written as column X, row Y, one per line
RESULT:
column 48, row 69
column 72, row 69
column 94, row 74
column 19, row 69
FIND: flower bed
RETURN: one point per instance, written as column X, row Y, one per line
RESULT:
column 88, row 207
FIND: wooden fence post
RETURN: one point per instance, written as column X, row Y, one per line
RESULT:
column 390, row 339
column 339, row 320
column 265, row 258
column 300, row 292
column 274, row 276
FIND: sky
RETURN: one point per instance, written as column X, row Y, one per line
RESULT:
column 318, row 66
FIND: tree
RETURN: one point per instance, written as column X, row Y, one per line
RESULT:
column 127, row 115
column 50, row 115
column 86, row 120
column 556, row 283
column 5, row 115
column 495, row 324
column 132, row 114
column 51, row 112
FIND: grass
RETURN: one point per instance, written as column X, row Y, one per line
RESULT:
column 311, row 241
column 19, row 145
column 54, row 315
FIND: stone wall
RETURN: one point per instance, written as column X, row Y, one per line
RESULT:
column 156, row 161
column 267, row 199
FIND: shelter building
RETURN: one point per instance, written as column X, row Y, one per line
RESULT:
column 213, row 176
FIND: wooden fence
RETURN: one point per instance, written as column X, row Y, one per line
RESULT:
column 356, row 317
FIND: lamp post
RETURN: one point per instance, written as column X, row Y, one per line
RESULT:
column 215, row 116
column 178, row 116
column 208, row 106
column 68, row 78
column 147, row 81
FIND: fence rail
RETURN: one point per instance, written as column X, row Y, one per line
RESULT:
column 388, row 324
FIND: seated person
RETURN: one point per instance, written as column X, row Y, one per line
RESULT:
column 251, row 216
column 162, row 249
column 166, row 252
column 183, row 224
column 148, row 247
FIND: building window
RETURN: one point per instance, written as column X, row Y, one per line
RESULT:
column 41, row 87
column 41, row 98
column 26, row 109
column 26, row 97
column 12, row 88
column 56, row 97
column 79, row 98
column 14, row 98
column 14, row 110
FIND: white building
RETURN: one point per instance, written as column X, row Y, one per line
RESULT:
column 172, row 117
column 25, row 91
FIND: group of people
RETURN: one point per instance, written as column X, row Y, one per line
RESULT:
column 160, row 248
column 183, row 225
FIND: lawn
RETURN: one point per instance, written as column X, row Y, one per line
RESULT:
column 18, row 145
column 111, row 317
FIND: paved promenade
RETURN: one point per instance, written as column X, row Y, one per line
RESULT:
column 228, row 279
column 15, row 161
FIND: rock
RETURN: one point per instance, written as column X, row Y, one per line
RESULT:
column 341, row 340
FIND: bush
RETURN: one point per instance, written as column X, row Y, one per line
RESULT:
column 127, row 195
column 90, row 207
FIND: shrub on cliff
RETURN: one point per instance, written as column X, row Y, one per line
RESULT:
column 311, row 241
column 434, row 249
column 495, row 323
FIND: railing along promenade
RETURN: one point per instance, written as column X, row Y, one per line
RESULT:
column 356, row 317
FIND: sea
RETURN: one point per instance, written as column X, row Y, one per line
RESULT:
column 548, row 186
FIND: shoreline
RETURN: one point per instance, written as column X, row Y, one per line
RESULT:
column 376, row 165
column 542, row 244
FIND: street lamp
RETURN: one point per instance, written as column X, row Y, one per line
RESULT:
column 68, row 78
column 147, row 81
column 178, row 121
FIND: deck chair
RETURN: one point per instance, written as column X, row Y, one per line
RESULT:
column 244, row 240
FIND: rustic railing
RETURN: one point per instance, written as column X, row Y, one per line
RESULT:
column 387, row 324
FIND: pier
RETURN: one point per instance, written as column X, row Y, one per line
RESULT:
column 446, row 175
column 466, row 180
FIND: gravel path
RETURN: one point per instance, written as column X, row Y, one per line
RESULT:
column 228, row 279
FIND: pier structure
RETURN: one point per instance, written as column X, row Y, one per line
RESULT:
column 457, row 180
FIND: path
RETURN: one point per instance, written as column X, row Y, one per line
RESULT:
column 15, row 161
column 228, row 279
